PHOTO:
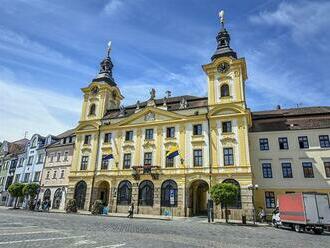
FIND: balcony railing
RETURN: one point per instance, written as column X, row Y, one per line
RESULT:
column 139, row 170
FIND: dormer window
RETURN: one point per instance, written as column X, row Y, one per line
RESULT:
column 224, row 90
column 92, row 109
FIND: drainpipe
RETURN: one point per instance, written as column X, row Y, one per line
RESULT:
column 210, row 148
column 95, row 169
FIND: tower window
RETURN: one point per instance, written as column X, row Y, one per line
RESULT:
column 224, row 90
column 92, row 109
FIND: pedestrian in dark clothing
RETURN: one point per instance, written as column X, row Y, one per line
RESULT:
column 131, row 211
column 210, row 210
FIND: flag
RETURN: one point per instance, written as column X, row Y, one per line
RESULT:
column 110, row 156
column 173, row 152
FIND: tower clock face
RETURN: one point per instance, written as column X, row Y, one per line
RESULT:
column 223, row 67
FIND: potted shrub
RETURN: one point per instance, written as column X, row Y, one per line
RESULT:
column 71, row 206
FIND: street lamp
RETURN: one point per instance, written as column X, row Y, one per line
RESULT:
column 253, row 187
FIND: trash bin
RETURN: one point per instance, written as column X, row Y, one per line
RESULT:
column 243, row 219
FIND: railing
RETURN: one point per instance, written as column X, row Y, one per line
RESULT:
column 152, row 170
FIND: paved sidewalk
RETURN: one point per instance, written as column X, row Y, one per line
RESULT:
column 200, row 219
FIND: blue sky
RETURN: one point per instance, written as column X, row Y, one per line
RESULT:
column 51, row 49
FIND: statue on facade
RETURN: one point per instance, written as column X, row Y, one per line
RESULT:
column 183, row 103
column 152, row 94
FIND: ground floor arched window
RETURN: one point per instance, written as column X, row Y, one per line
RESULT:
column 57, row 198
column 47, row 195
column 146, row 193
column 80, row 194
column 169, row 187
column 124, row 193
column 238, row 203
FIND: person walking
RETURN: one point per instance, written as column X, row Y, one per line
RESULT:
column 262, row 215
column 210, row 210
column 131, row 210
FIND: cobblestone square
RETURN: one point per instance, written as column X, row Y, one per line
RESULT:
column 20, row 228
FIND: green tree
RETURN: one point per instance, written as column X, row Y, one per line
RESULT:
column 31, row 190
column 224, row 193
column 16, row 190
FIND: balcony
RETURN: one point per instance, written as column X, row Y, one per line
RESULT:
column 152, row 170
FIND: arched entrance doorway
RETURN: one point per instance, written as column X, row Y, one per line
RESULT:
column 57, row 198
column 198, row 193
column 103, row 192
column 80, row 194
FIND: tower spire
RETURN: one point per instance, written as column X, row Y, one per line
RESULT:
column 223, row 39
column 105, row 73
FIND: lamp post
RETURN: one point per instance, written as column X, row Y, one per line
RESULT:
column 253, row 187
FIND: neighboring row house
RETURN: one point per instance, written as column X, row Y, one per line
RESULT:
column 11, row 155
column 55, row 175
column 290, row 152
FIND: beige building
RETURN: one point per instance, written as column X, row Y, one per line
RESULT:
column 55, row 174
column 290, row 152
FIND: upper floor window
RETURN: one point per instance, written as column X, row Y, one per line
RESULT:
column 84, row 163
column 327, row 169
column 308, row 169
column 87, row 139
column 36, row 176
column 21, row 161
column 283, row 143
column 170, row 132
column 105, row 163
column 224, row 90
column 62, row 174
column 263, row 143
column 40, row 158
column 287, row 170
column 303, row 142
column 169, row 162
column 92, row 109
column 66, row 154
column 267, row 170
column 26, row 177
column 228, row 156
column 129, row 135
column 55, row 175
column 226, row 127
column 30, row 161
column 198, row 157
column 51, row 159
column 148, row 158
column 149, row 134
column 127, row 160
column 197, row 129
column 58, row 157
column 107, row 137
column 324, row 141
column 48, row 175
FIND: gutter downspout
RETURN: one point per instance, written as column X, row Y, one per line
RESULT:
column 210, row 147
column 95, row 169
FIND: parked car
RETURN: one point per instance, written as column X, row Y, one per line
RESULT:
column 303, row 212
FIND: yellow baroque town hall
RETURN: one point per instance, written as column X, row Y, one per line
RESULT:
column 211, row 134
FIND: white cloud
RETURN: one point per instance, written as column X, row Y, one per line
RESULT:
column 304, row 19
column 278, row 85
column 33, row 109
column 22, row 46
column 112, row 6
